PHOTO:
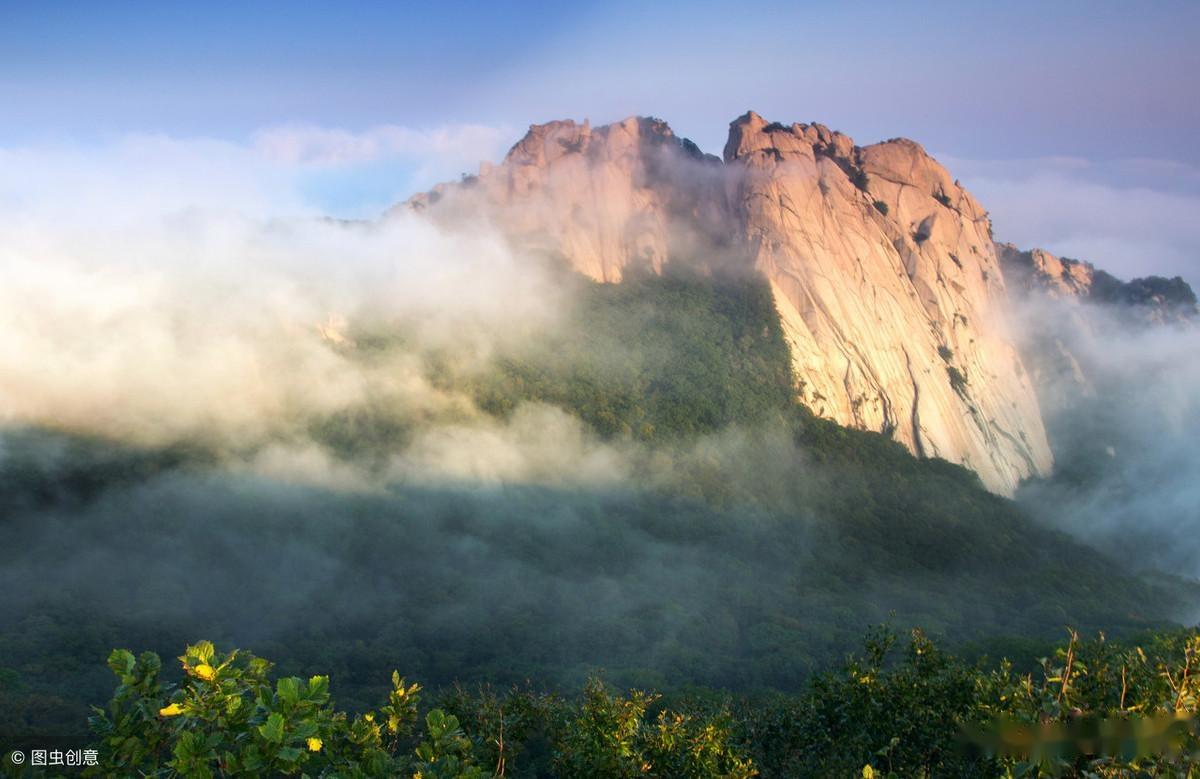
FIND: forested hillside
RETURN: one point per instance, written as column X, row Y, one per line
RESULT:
column 724, row 536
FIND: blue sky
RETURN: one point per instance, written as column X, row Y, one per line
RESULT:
column 1106, row 84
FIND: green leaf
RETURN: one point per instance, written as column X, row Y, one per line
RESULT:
column 121, row 661
column 290, row 754
column 318, row 687
column 436, row 722
column 288, row 690
column 251, row 761
column 202, row 651
column 305, row 729
column 272, row 729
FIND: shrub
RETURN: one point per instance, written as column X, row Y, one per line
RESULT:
column 881, row 207
column 958, row 379
column 226, row 718
column 610, row 736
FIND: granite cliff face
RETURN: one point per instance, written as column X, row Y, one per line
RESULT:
column 882, row 266
column 891, row 294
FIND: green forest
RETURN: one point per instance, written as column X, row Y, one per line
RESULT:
column 701, row 613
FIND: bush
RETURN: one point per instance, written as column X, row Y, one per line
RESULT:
column 881, row 207
column 226, row 718
column 958, row 379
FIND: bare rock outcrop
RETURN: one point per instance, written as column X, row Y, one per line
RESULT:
column 882, row 266
column 607, row 198
column 1151, row 300
column 890, row 292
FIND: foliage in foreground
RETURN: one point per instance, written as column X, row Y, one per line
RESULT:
column 886, row 712
column 225, row 718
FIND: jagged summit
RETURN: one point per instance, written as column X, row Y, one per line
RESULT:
column 748, row 132
column 882, row 266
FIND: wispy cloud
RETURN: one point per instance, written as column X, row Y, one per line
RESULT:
column 278, row 171
column 157, row 287
column 333, row 147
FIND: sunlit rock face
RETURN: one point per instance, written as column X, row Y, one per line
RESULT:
column 887, row 282
column 882, row 266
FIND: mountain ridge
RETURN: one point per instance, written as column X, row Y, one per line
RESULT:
column 881, row 265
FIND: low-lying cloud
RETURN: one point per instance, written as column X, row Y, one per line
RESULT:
column 160, row 289
column 1120, row 401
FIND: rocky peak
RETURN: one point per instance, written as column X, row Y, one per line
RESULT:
column 607, row 198
column 1150, row 300
column 1039, row 270
column 750, row 133
column 636, row 135
column 881, row 265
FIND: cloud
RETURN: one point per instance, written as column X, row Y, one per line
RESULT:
column 330, row 147
column 278, row 172
column 158, row 288
column 1131, row 217
column 1125, row 440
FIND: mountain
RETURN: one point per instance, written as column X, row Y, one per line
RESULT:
column 1150, row 300
column 881, row 266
